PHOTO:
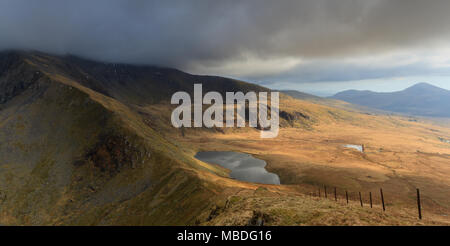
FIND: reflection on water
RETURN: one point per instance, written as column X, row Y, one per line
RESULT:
column 243, row 166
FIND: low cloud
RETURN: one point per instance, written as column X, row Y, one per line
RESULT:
column 253, row 39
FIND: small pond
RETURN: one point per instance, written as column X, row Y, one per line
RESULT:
column 354, row 146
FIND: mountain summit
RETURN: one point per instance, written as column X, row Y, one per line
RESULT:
column 421, row 99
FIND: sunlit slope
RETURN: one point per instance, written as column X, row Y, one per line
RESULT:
column 400, row 154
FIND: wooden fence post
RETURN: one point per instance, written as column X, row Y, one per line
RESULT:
column 418, row 204
column 360, row 199
column 382, row 199
column 346, row 196
column 370, row 196
column 335, row 195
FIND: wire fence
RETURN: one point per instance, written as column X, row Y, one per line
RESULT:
column 322, row 192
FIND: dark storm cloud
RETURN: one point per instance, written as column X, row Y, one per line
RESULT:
column 211, row 33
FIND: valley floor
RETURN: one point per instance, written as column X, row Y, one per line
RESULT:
column 399, row 157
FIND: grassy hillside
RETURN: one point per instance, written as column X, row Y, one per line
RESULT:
column 71, row 155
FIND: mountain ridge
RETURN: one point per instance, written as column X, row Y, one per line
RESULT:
column 421, row 99
column 139, row 84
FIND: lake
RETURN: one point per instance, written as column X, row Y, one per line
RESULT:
column 243, row 166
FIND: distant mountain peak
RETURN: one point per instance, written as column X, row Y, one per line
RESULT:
column 421, row 99
column 423, row 86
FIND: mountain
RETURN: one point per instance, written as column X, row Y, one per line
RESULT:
column 331, row 102
column 78, row 144
column 130, row 83
column 421, row 99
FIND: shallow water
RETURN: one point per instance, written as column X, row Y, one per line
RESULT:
column 243, row 166
column 354, row 146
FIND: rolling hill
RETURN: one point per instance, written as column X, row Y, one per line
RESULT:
column 421, row 99
column 331, row 102
column 301, row 95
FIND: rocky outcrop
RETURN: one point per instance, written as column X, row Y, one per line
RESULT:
column 113, row 153
column 291, row 118
column 258, row 219
column 16, row 75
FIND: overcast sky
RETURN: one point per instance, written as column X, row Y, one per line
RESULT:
column 317, row 46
